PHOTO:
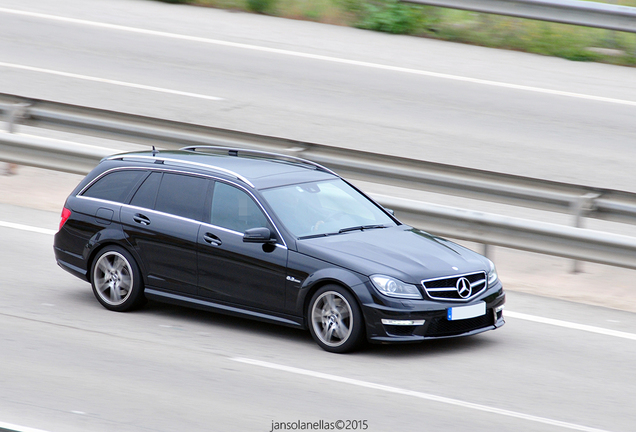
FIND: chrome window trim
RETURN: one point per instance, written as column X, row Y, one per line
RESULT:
column 258, row 203
column 167, row 161
column 207, row 176
column 160, row 213
column 92, row 182
column 145, row 209
column 100, row 200
column 185, row 219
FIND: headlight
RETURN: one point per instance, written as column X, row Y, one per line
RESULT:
column 395, row 288
column 492, row 274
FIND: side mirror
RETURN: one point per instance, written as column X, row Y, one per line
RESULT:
column 258, row 235
column 390, row 211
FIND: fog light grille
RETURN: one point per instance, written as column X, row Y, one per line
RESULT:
column 443, row 327
column 399, row 330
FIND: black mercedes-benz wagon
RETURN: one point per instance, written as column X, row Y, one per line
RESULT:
column 270, row 237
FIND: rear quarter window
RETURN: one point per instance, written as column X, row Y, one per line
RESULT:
column 115, row 186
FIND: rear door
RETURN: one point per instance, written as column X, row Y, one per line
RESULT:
column 162, row 223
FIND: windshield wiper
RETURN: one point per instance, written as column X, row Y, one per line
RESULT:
column 316, row 235
column 344, row 230
column 361, row 228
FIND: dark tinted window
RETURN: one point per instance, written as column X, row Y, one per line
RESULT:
column 182, row 195
column 147, row 192
column 115, row 186
column 234, row 209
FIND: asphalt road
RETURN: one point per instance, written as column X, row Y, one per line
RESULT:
column 489, row 109
column 67, row 364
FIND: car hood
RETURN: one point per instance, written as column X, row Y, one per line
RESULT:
column 406, row 253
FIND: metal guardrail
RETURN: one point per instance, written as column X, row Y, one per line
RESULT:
column 50, row 153
column 486, row 228
column 582, row 13
column 578, row 200
column 515, row 233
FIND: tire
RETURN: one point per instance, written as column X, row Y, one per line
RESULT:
column 335, row 319
column 116, row 280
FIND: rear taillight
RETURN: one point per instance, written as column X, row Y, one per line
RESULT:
column 66, row 213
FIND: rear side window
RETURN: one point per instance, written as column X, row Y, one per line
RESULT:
column 115, row 186
column 182, row 195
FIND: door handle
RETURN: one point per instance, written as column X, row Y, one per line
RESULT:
column 212, row 239
column 141, row 219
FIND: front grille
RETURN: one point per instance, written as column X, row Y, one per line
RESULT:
column 446, row 288
column 443, row 327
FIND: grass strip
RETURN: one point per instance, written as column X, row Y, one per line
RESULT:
column 566, row 41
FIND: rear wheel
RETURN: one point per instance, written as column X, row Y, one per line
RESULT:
column 335, row 319
column 116, row 280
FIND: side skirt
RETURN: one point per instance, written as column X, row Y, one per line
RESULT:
column 180, row 300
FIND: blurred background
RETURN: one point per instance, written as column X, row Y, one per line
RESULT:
column 495, row 118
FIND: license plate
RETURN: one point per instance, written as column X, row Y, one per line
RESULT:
column 465, row 312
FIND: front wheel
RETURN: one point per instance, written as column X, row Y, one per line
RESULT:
column 335, row 319
column 116, row 280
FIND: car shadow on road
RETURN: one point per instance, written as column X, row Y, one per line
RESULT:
column 431, row 348
column 221, row 320
column 215, row 320
column 435, row 347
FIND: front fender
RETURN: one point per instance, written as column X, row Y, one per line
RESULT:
column 336, row 275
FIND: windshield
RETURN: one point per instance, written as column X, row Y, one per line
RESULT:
column 324, row 208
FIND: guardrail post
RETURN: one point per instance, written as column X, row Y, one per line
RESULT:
column 486, row 251
column 581, row 206
column 15, row 113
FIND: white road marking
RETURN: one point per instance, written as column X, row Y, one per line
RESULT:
column 320, row 57
column 16, row 428
column 108, row 81
column 27, row 228
column 570, row 325
column 419, row 395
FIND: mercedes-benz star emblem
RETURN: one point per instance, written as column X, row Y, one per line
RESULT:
column 463, row 287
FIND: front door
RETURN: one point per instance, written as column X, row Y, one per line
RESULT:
column 234, row 272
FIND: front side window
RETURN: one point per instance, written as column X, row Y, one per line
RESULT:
column 115, row 186
column 234, row 209
column 326, row 207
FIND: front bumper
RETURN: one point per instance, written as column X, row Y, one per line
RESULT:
column 434, row 316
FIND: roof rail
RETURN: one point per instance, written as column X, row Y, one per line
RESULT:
column 170, row 161
column 257, row 153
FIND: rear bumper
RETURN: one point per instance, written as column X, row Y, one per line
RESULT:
column 71, row 263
